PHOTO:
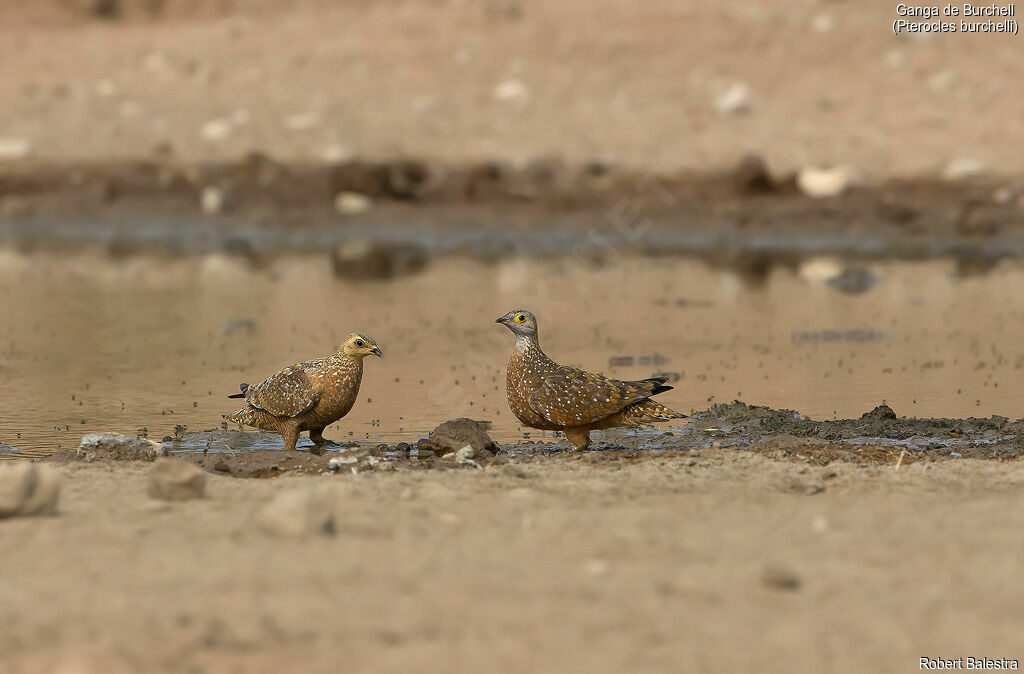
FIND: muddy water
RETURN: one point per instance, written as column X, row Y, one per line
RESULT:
column 90, row 343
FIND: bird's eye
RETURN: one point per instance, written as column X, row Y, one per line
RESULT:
column 520, row 318
column 359, row 343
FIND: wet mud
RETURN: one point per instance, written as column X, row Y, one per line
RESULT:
column 877, row 437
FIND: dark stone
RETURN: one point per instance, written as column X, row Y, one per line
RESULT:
column 452, row 436
column 883, row 411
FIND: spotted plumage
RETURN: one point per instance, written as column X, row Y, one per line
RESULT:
column 549, row 396
column 307, row 396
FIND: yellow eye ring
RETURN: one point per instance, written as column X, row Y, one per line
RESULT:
column 520, row 318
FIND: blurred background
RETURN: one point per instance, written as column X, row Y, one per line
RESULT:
column 771, row 201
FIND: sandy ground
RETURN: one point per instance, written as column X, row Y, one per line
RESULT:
column 605, row 562
column 456, row 81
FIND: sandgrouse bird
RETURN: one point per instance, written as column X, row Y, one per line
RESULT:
column 307, row 396
column 549, row 396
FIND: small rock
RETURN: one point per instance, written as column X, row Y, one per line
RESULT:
column 752, row 176
column 883, row 411
column 453, row 436
column 943, row 80
column 361, row 259
column 512, row 91
column 298, row 513
column 118, row 447
column 823, row 23
column 351, row 203
column 27, row 489
column 13, row 149
column 216, row 129
column 336, row 463
column 821, row 183
column 780, row 577
column 464, row 457
column 409, row 179
column 963, row 169
column 212, row 200
column 735, row 100
column 853, row 280
column 176, row 480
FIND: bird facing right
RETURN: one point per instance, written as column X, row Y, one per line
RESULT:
column 549, row 396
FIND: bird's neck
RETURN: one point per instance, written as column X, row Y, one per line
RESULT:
column 525, row 343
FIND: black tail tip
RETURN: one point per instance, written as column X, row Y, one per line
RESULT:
column 661, row 389
column 243, row 387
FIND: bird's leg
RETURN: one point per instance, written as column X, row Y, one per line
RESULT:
column 291, row 436
column 317, row 436
column 579, row 437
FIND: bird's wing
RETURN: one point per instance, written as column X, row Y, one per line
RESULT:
column 573, row 397
column 287, row 393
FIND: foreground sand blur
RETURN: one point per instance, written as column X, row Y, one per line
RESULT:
column 658, row 562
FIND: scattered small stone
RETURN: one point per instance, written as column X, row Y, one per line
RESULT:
column 823, row 183
column 27, row 489
column 13, row 149
column 963, row 169
column 337, row 462
column 212, row 200
column 299, row 513
column 780, row 577
column 512, row 91
column 352, row 203
column 823, row 23
column 735, row 100
column 454, row 435
column 216, row 129
column 118, row 447
column 881, row 412
column 176, row 480
column 853, row 280
column 752, row 176
column 464, row 457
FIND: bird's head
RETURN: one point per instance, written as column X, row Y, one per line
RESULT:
column 360, row 346
column 521, row 322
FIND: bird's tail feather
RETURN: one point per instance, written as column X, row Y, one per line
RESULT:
column 648, row 410
column 244, row 387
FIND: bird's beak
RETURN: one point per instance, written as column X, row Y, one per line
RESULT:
column 503, row 319
column 377, row 352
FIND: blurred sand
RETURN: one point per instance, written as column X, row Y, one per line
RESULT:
column 595, row 563
column 455, row 81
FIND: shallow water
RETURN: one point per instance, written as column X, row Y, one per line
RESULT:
column 93, row 343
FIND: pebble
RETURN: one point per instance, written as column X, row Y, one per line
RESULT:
column 735, row 100
column 28, row 489
column 212, row 200
column 118, row 447
column 176, row 480
column 299, row 513
column 13, row 149
column 464, row 457
column 352, row 203
column 511, row 91
column 963, row 168
column 780, row 577
column 819, row 183
column 216, row 129
column 455, row 435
